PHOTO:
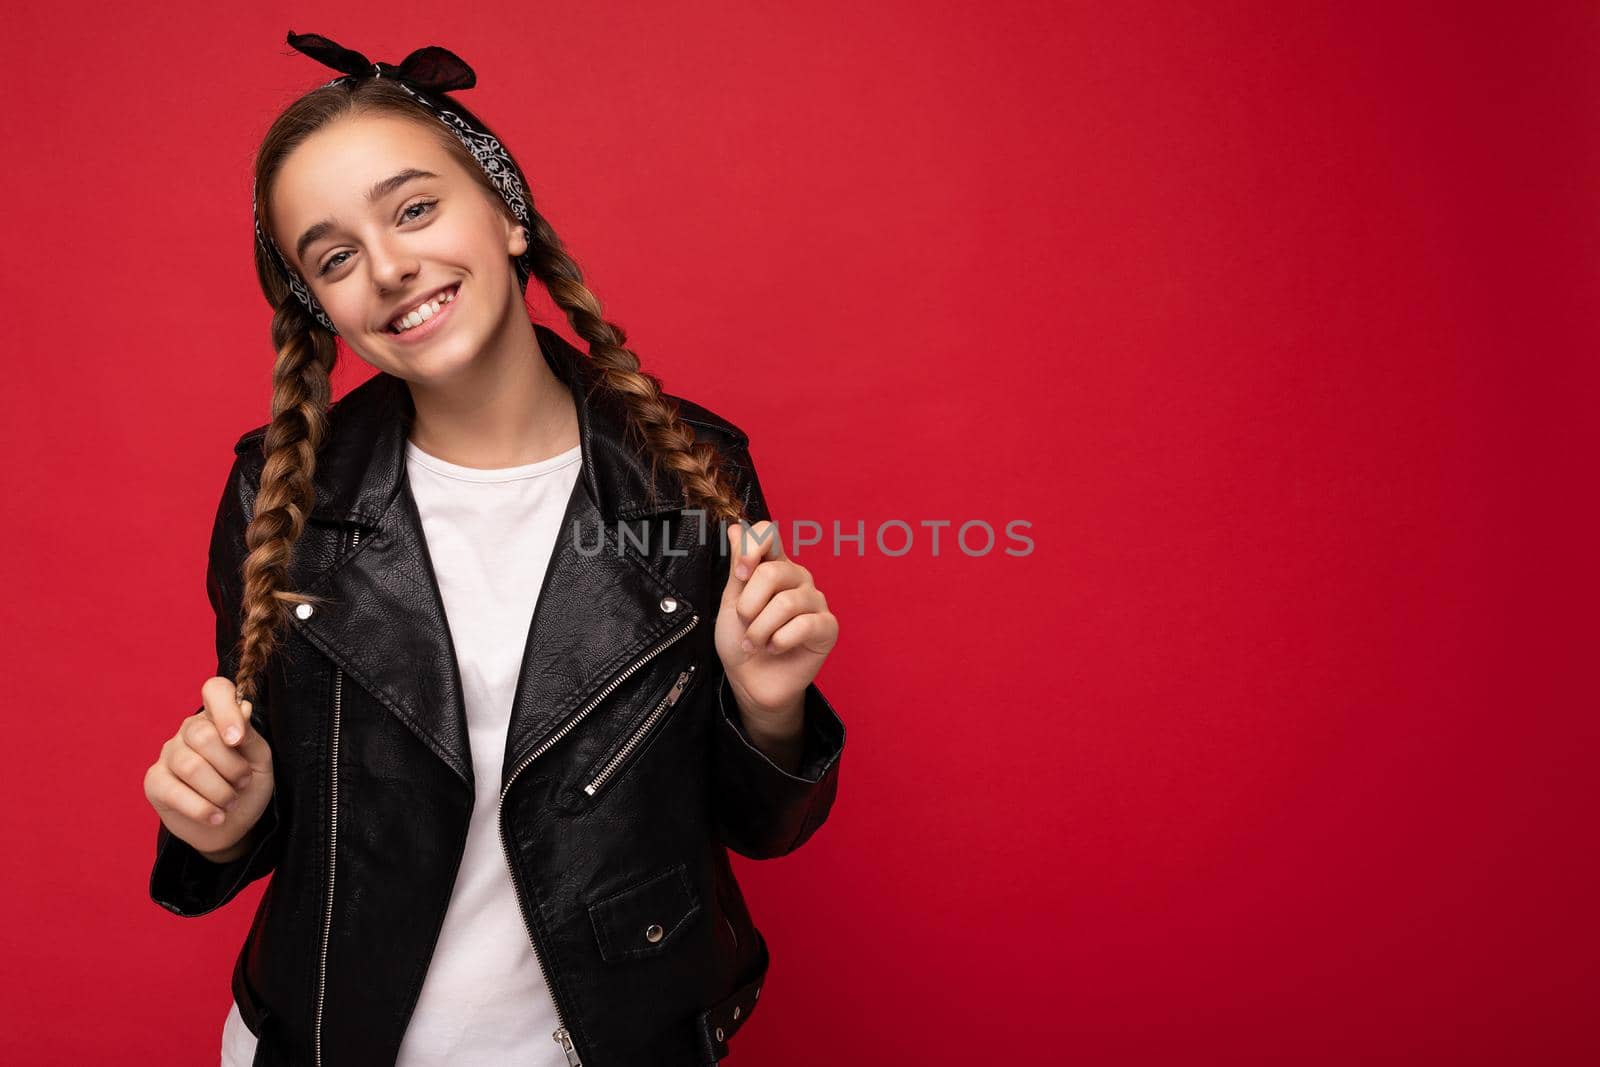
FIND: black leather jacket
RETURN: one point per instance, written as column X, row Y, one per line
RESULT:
column 627, row 773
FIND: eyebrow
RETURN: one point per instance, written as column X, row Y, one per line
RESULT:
column 379, row 190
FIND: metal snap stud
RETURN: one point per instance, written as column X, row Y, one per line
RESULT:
column 719, row 1033
column 303, row 610
column 653, row 933
column 668, row 605
column 758, row 993
column 736, row 1011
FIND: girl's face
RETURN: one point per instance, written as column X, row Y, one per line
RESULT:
column 378, row 217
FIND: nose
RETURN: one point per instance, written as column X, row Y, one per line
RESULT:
column 393, row 265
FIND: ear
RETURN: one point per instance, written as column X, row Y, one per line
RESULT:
column 517, row 243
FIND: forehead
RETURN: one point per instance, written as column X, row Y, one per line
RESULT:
column 328, row 174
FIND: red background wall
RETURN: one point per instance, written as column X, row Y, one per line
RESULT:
column 1276, row 322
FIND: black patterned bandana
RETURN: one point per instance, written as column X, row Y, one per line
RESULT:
column 423, row 73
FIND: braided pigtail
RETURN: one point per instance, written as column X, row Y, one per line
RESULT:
column 301, row 393
column 667, row 439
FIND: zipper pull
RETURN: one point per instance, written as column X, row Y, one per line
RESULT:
column 677, row 687
column 660, row 709
column 565, row 1041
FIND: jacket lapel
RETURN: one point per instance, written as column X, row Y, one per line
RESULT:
column 385, row 624
column 598, row 611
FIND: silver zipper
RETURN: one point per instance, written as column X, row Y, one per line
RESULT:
column 333, row 838
column 644, row 728
column 561, row 1035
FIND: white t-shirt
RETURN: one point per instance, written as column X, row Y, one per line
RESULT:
column 490, row 535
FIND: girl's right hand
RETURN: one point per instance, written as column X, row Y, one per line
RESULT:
column 208, row 790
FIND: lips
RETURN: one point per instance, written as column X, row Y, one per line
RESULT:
column 394, row 320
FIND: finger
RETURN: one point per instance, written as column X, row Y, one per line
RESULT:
column 196, row 772
column 738, row 570
column 784, row 605
column 199, row 735
column 815, row 630
column 769, row 578
column 172, row 793
column 751, row 543
column 223, row 708
column 254, row 748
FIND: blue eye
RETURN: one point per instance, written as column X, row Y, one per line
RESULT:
column 420, row 203
column 334, row 262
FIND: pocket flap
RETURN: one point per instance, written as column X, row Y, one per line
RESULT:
column 645, row 918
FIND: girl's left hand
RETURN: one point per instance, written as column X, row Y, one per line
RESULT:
column 776, row 609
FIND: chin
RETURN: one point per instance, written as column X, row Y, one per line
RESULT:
column 438, row 365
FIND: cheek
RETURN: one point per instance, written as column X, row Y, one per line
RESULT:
column 466, row 243
column 345, row 307
column 472, row 235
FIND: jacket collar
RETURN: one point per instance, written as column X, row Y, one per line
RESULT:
column 360, row 468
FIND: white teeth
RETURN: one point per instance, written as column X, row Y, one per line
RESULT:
column 422, row 313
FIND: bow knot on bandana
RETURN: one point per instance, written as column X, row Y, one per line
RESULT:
column 433, row 68
column 426, row 71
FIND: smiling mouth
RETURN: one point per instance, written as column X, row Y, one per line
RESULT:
column 423, row 312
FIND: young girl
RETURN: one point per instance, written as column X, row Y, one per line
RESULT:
column 504, row 668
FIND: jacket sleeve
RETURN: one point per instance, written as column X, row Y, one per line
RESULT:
column 762, row 810
column 182, row 880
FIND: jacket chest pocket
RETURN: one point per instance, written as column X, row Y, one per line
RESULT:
column 646, row 918
column 598, row 778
